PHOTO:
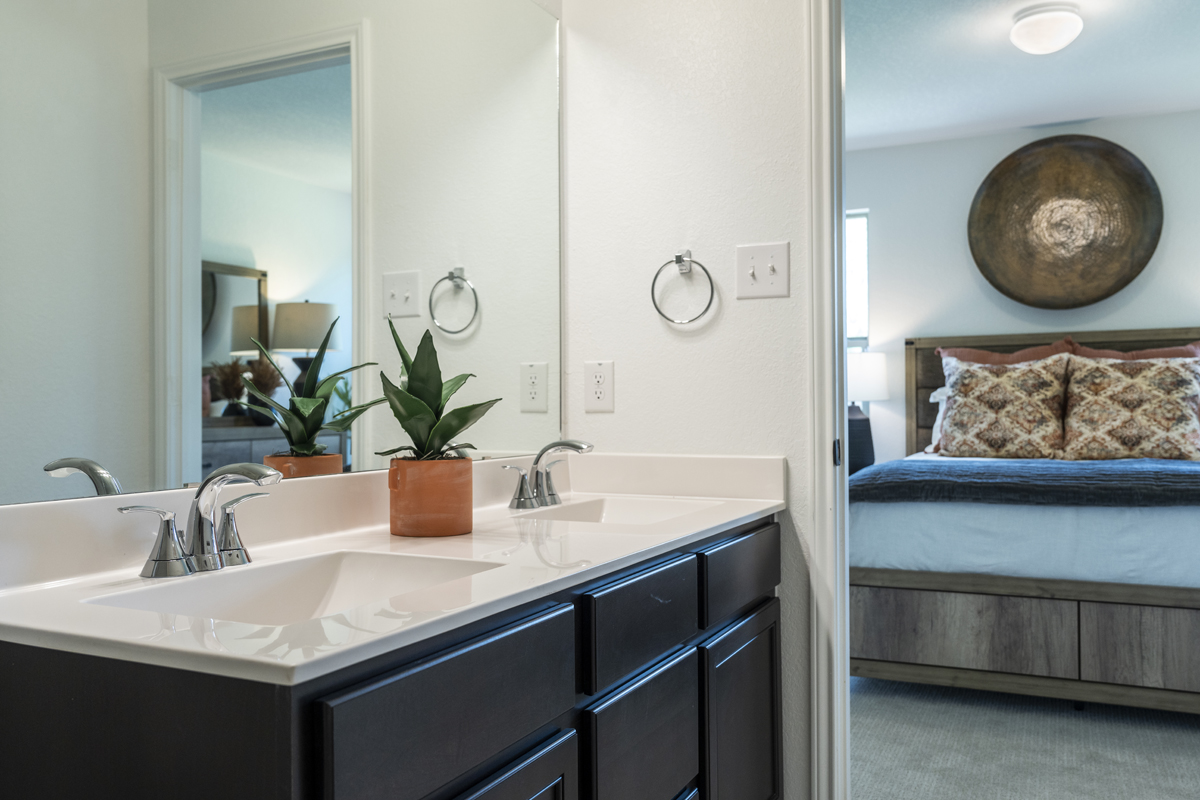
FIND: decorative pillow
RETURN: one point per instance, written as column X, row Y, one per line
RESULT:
column 1005, row 410
column 1133, row 409
column 1183, row 351
column 1021, row 356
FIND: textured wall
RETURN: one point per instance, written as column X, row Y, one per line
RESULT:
column 925, row 283
column 74, row 243
column 686, row 127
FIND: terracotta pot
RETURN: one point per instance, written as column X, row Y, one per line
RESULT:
column 430, row 498
column 305, row 466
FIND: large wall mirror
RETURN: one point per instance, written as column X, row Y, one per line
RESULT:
column 183, row 177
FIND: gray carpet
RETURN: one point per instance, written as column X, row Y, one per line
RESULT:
column 913, row 742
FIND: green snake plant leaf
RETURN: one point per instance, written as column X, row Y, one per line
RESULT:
column 395, row 450
column 343, row 420
column 252, row 389
column 450, row 387
column 425, row 376
column 314, row 370
column 414, row 416
column 311, row 411
column 405, row 359
column 327, row 386
column 453, row 423
column 309, row 448
column 271, row 361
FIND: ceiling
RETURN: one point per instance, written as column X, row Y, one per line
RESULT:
column 296, row 125
column 924, row 70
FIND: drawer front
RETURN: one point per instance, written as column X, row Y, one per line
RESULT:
column 736, row 574
column 1022, row 635
column 1140, row 646
column 636, row 621
column 550, row 772
column 645, row 739
column 214, row 455
column 268, row 447
column 408, row 733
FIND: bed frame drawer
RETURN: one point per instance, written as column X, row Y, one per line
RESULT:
column 1021, row 635
column 1140, row 645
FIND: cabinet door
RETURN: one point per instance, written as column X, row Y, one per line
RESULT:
column 550, row 772
column 741, row 710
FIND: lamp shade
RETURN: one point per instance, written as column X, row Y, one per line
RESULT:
column 245, row 326
column 866, row 377
column 300, row 327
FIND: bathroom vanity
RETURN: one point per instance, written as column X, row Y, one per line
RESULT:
column 622, row 646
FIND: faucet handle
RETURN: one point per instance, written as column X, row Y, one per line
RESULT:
column 229, row 543
column 523, row 496
column 167, row 559
column 551, row 497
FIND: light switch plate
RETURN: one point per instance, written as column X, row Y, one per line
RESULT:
column 534, row 386
column 763, row 270
column 401, row 294
column 597, row 387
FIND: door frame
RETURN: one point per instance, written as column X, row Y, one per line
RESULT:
column 176, row 432
column 829, row 506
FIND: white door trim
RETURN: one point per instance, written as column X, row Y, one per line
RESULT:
column 830, row 663
column 176, row 284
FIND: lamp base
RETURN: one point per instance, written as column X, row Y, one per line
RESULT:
column 861, row 450
column 303, row 362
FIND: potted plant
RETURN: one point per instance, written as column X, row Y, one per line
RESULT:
column 430, row 487
column 304, row 418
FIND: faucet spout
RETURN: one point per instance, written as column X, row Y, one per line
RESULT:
column 201, row 533
column 105, row 482
column 541, row 495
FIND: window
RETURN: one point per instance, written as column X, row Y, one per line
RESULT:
column 857, row 307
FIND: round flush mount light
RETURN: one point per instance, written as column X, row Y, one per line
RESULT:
column 1046, row 27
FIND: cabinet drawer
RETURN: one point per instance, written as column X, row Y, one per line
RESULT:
column 645, row 739
column 1140, row 645
column 410, row 732
column 550, row 772
column 214, row 455
column 737, row 573
column 1022, row 635
column 635, row 621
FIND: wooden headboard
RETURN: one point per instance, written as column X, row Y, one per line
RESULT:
column 923, row 369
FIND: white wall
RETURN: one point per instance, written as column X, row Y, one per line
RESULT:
column 463, row 108
column 74, row 243
column 686, row 126
column 923, row 281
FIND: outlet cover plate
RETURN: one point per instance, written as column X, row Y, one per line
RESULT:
column 763, row 270
column 598, row 387
column 534, row 387
column 401, row 294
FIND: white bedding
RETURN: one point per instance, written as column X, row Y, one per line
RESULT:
column 1156, row 546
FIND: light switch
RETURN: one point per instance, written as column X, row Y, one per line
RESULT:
column 763, row 270
column 401, row 294
column 534, row 386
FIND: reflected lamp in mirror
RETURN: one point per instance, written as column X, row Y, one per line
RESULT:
column 245, row 328
column 866, row 380
column 299, row 328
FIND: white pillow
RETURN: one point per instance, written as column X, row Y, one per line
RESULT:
column 938, row 397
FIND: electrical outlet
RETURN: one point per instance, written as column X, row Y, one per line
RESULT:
column 401, row 294
column 534, row 386
column 762, row 270
column 597, row 386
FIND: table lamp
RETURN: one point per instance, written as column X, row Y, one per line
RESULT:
column 299, row 328
column 866, row 380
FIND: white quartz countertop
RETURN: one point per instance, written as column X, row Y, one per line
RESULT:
column 511, row 558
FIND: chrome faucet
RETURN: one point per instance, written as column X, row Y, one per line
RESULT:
column 543, row 486
column 105, row 482
column 201, row 534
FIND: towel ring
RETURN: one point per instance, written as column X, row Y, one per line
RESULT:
column 455, row 276
column 684, row 261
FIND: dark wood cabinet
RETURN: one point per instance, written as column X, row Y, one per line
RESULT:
column 741, row 710
column 737, row 573
column 549, row 772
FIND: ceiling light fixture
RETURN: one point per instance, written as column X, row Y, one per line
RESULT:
column 1046, row 27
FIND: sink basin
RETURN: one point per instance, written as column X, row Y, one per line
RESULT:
column 287, row 592
column 623, row 510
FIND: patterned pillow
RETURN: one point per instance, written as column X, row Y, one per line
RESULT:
column 1005, row 410
column 1133, row 409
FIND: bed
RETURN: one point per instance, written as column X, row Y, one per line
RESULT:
column 1077, row 580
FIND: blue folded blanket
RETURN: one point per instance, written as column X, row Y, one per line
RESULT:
column 1030, row 482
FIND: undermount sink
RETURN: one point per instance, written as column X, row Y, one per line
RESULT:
column 287, row 592
column 623, row 510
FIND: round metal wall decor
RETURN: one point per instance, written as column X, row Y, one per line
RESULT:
column 1065, row 222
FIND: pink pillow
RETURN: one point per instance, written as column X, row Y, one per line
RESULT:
column 1028, row 354
column 1183, row 351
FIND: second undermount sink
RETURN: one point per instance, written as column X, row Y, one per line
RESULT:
column 623, row 510
column 287, row 592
